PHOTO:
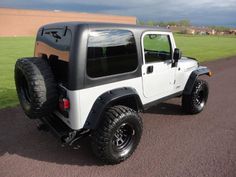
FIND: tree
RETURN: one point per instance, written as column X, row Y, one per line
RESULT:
column 151, row 23
column 185, row 23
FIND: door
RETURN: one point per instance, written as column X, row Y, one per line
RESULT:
column 157, row 72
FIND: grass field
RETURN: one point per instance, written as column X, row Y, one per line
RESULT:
column 11, row 48
column 204, row 48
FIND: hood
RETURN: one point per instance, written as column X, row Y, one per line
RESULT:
column 187, row 63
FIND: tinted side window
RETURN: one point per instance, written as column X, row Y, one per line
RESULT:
column 157, row 47
column 111, row 52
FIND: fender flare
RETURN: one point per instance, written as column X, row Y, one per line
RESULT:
column 193, row 77
column 108, row 99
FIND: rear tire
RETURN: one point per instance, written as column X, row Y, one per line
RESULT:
column 196, row 101
column 36, row 87
column 118, row 135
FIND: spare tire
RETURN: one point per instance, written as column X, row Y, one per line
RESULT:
column 36, row 87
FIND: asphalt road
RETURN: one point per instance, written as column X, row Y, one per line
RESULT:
column 173, row 144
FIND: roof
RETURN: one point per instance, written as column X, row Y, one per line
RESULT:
column 92, row 25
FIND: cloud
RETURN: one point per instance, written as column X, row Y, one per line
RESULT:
column 199, row 12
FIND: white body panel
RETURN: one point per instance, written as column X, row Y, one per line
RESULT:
column 160, row 82
column 183, row 71
column 81, row 101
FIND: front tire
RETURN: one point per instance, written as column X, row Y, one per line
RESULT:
column 118, row 135
column 196, row 101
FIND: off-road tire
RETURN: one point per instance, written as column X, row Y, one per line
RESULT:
column 105, row 143
column 196, row 101
column 36, row 87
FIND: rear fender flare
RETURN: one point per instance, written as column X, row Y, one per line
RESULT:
column 111, row 98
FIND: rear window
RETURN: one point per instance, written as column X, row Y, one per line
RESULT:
column 59, row 38
column 56, row 43
column 111, row 52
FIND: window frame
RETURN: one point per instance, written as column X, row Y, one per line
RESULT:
column 112, row 75
column 171, row 43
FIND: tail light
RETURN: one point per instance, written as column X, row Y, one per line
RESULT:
column 64, row 104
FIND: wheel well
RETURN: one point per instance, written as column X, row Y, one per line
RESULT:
column 193, row 77
column 121, row 96
column 130, row 101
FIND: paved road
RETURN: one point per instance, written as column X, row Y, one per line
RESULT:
column 173, row 144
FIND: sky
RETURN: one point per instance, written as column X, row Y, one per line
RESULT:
column 199, row 12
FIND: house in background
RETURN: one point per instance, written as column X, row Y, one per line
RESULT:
column 193, row 30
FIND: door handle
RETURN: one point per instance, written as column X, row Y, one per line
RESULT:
column 149, row 69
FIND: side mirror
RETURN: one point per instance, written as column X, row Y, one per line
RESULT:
column 177, row 55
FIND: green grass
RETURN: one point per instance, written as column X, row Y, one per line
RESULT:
column 204, row 48
column 11, row 48
column 207, row 48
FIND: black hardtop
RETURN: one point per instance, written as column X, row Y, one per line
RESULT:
column 91, row 25
column 77, row 78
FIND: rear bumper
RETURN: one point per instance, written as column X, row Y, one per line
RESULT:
column 57, row 127
column 61, row 131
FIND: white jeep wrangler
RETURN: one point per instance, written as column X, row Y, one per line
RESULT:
column 94, row 78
